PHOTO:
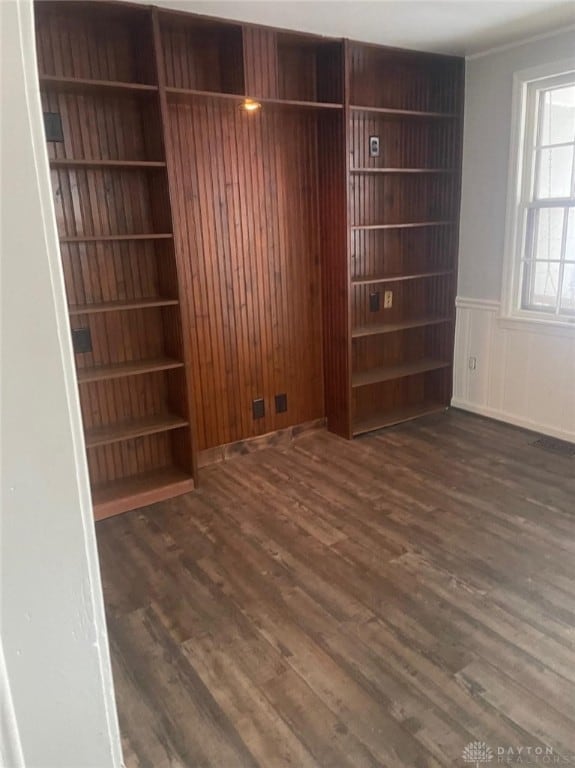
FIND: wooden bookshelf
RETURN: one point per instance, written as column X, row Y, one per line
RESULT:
column 121, row 370
column 187, row 94
column 403, row 207
column 87, row 85
column 116, row 433
column 113, row 238
column 214, row 256
column 403, row 225
column 401, row 371
column 403, row 170
column 114, row 217
column 128, row 493
column 397, row 278
column 405, row 113
column 395, row 416
column 404, row 325
column 75, row 163
column 121, row 306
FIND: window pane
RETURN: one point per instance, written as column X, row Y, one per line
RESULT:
column 568, row 292
column 570, row 242
column 558, row 115
column 543, row 281
column 548, row 234
column 554, row 172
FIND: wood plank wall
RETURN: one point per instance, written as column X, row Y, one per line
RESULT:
column 335, row 274
column 247, row 218
column 266, row 211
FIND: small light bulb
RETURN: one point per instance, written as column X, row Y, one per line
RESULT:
column 249, row 105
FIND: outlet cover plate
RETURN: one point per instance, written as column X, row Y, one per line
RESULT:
column 81, row 340
column 258, row 408
column 281, row 403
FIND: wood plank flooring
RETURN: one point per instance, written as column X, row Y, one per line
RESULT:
column 330, row 604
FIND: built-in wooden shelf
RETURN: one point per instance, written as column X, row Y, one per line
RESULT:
column 403, row 112
column 82, row 84
column 133, row 368
column 396, row 416
column 388, row 373
column 381, row 328
column 114, row 238
column 403, row 170
column 120, row 306
column 406, row 225
column 139, row 491
column 374, row 279
column 123, row 164
column 116, row 433
column 300, row 103
column 185, row 94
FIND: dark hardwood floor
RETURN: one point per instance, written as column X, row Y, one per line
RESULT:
column 383, row 602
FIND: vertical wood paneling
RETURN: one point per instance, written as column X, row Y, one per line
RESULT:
column 401, row 198
column 246, row 207
column 103, row 126
column 335, row 282
column 202, row 55
column 260, row 62
column 96, row 202
column 309, row 70
column 414, row 180
column 404, row 142
column 93, row 41
column 388, row 77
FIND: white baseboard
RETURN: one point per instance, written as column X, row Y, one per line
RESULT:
column 520, row 373
column 510, row 418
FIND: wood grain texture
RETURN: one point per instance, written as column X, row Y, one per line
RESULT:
column 403, row 80
column 113, row 213
column 247, row 225
column 259, row 443
column 94, row 41
column 335, row 265
column 201, row 54
column 327, row 603
column 260, row 62
column 404, row 206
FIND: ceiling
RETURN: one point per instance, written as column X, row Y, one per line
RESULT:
column 462, row 27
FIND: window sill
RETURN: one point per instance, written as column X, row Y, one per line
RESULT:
column 541, row 325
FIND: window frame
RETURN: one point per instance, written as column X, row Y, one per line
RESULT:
column 522, row 179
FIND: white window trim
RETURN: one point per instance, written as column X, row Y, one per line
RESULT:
column 513, row 249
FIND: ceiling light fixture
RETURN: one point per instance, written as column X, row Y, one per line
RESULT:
column 249, row 105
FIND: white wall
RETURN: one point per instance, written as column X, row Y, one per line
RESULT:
column 525, row 373
column 53, row 635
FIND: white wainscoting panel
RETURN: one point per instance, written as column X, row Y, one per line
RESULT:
column 524, row 374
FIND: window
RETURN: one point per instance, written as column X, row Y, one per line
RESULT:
column 545, row 218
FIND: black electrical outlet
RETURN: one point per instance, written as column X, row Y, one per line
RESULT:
column 53, row 126
column 374, row 146
column 258, row 408
column 281, row 403
column 374, row 301
column 81, row 340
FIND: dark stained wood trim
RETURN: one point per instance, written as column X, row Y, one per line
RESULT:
column 170, row 159
column 261, row 442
